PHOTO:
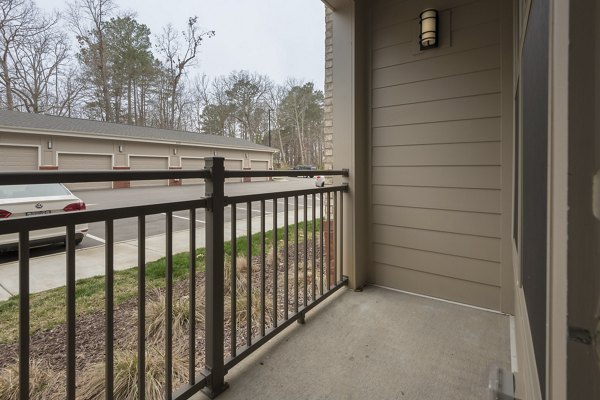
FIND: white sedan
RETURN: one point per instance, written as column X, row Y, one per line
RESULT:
column 30, row 200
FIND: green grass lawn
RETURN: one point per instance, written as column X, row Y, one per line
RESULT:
column 48, row 308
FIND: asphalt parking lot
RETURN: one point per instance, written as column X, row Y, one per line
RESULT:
column 126, row 229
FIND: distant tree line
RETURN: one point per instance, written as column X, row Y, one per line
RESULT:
column 120, row 72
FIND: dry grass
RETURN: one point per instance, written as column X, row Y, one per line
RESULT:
column 156, row 316
column 41, row 382
column 126, row 376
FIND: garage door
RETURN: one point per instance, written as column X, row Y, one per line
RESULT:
column 235, row 165
column 192, row 163
column 140, row 163
column 85, row 162
column 259, row 166
column 18, row 158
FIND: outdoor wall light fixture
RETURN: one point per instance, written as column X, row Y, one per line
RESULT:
column 428, row 39
column 49, row 144
column 120, row 148
column 174, row 152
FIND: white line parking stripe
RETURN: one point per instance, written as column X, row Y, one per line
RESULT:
column 187, row 219
column 253, row 210
column 96, row 238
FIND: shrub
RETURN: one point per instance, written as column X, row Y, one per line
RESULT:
column 40, row 382
column 126, row 376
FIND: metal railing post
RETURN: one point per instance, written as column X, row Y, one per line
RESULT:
column 215, row 279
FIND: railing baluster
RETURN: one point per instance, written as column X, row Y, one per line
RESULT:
column 169, row 308
column 286, row 266
column 249, row 274
column 335, row 238
column 109, row 303
column 296, row 280
column 24, row 311
column 314, row 246
column 192, row 300
column 71, row 329
column 263, row 286
column 305, row 250
column 274, row 261
column 341, row 217
column 328, row 241
column 321, row 245
column 233, row 280
column 141, row 307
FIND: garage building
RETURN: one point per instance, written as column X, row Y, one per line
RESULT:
column 39, row 142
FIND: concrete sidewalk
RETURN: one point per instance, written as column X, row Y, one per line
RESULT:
column 49, row 272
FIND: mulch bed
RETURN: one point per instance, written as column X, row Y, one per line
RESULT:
column 49, row 346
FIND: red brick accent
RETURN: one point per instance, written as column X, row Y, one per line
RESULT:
column 121, row 184
column 48, row 167
column 247, row 178
column 174, row 182
column 329, row 244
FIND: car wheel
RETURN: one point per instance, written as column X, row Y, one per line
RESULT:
column 78, row 241
column 323, row 184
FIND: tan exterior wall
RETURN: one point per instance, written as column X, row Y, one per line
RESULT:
column 440, row 153
column 120, row 151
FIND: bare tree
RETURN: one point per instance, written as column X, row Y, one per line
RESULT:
column 178, row 52
column 38, row 62
column 88, row 19
column 18, row 21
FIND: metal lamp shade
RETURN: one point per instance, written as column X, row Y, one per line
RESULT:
column 429, row 29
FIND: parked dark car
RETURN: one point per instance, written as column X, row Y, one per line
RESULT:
column 304, row 168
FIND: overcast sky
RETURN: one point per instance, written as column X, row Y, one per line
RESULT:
column 277, row 38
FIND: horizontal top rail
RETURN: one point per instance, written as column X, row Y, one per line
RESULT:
column 283, row 172
column 35, row 177
column 12, row 225
column 288, row 193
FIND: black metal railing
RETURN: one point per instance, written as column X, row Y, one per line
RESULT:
column 313, row 277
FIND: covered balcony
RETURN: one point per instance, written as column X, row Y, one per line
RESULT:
column 434, row 266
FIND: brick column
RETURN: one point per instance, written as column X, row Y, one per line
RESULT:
column 174, row 182
column 247, row 178
column 48, row 167
column 121, row 184
column 328, row 101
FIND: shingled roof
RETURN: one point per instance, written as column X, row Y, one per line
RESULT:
column 11, row 121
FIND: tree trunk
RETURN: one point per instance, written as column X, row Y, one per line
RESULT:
column 7, row 84
column 129, row 119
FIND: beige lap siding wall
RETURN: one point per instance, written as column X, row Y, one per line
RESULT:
column 436, row 154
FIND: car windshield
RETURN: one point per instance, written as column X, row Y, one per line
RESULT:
column 40, row 190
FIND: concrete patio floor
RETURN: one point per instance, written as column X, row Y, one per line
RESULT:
column 378, row 344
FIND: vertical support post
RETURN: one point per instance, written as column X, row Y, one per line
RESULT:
column 71, row 316
column 263, row 286
column 192, row 301
column 109, row 305
column 233, row 280
column 141, row 345
column 24, row 315
column 169, row 307
column 215, row 279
